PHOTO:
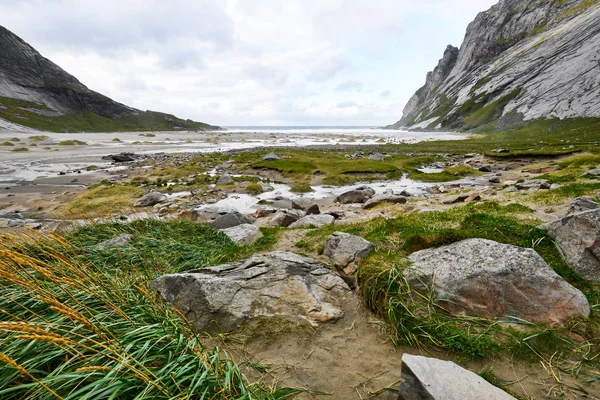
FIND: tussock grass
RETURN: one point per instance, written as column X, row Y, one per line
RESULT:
column 71, row 143
column 78, row 323
column 101, row 201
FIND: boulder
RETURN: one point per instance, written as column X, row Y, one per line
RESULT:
column 286, row 218
column 230, row 220
column 580, row 205
column 535, row 184
column 225, row 180
column 592, row 172
column 359, row 195
column 485, row 168
column 473, row 197
column 345, row 251
column 279, row 284
column 123, row 157
column 306, row 205
column 384, row 198
column 151, row 199
column 488, row 279
column 119, row 241
column 578, row 236
column 318, row 221
column 243, row 235
column 271, row 157
column 377, row 157
column 455, row 199
column 432, row 379
column 263, row 212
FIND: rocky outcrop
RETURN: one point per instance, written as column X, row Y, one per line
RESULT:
column 345, row 251
column 484, row 278
column 432, row 379
column 521, row 60
column 48, row 90
column 222, row 298
column 578, row 236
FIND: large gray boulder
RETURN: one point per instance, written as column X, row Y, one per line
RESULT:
column 317, row 221
column 384, row 198
column 359, row 195
column 151, row 199
column 432, row 379
column 271, row 157
column 578, row 236
column 286, row 218
column 225, row 180
column 230, row 220
column 306, row 205
column 243, row 235
column 345, row 251
column 581, row 204
column 488, row 279
column 222, row 298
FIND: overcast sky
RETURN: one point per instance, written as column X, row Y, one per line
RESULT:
column 249, row 62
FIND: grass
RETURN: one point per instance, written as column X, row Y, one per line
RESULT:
column 101, row 201
column 254, row 188
column 20, row 149
column 87, row 121
column 416, row 320
column 301, row 187
column 38, row 138
column 71, row 143
column 7, row 143
column 81, row 323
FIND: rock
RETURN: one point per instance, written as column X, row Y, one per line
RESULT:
column 485, row 168
column 384, row 198
column 473, row 197
column 263, row 212
column 286, row 218
column 533, row 184
column 494, row 179
column 592, row 172
column 243, row 235
column 230, row 220
column 455, row 199
column 488, row 279
column 543, row 170
column 119, row 241
column 578, row 236
column 151, row 199
column 318, row 221
column 511, row 189
column 377, row 157
column 345, row 251
column 500, row 151
column 306, row 205
column 271, row 157
column 225, row 180
column 123, row 157
column 580, row 205
column 359, row 195
column 222, row 298
column 432, row 379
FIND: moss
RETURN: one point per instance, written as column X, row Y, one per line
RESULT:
column 254, row 188
column 301, row 187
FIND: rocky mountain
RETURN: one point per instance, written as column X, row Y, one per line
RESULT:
column 37, row 93
column 522, row 60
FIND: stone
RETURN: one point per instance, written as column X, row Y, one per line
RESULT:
column 318, row 221
column 494, row 179
column 460, row 198
column 580, row 205
column 485, row 168
column 592, row 172
column 578, row 236
column 264, row 212
column 271, row 157
column 123, row 157
column 286, row 218
column 533, row 184
column 119, row 241
column 500, row 151
column 425, row 378
column 384, row 198
column 543, row 170
column 377, row 157
column 359, row 195
column 306, row 205
column 225, row 180
column 230, row 220
column 345, row 251
column 473, row 197
column 278, row 284
column 151, row 199
column 484, row 278
column 243, row 235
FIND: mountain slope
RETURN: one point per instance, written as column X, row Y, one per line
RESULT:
column 37, row 93
column 522, row 60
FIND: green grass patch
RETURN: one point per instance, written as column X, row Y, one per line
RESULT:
column 20, row 149
column 567, row 191
column 7, row 143
column 101, row 201
column 301, row 187
column 71, row 143
column 38, row 138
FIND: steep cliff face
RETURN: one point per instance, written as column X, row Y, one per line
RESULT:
column 521, row 60
column 38, row 93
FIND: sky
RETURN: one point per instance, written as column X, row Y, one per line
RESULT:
column 249, row 62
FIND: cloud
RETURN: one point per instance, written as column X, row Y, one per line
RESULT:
column 240, row 62
column 346, row 104
column 349, row 86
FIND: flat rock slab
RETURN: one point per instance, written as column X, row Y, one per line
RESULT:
column 345, row 251
column 317, row 221
column 432, row 379
column 151, row 199
column 581, row 204
column 578, row 236
column 484, row 278
column 243, row 235
column 359, row 195
column 384, row 198
column 230, row 220
column 222, row 298
column 306, row 205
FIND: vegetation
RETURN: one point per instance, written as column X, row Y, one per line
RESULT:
column 7, row 143
column 20, row 149
column 71, row 143
column 79, row 322
column 101, row 201
column 22, row 112
column 254, row 188
column 301, row 187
